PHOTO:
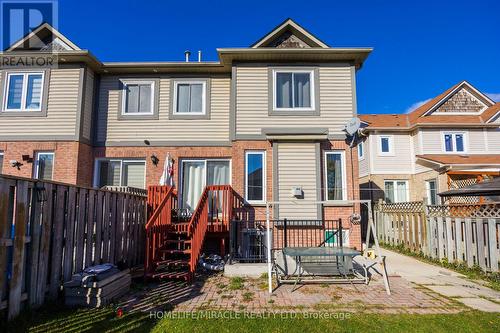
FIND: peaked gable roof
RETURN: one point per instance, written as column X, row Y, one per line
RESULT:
column 41, row 38
column 286, row 30
column 426, row 115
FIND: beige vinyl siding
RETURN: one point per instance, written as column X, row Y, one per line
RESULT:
column 110, row 129
column 418, row 151
column 364, row 164
column 432, row 140
column 297, row 167
column 62, row 107
column 401, row 159
column 252, row 103
column 88, row 104
column 493, row 140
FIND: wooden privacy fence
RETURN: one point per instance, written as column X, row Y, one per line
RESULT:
column 457, row 233
column 50, row 230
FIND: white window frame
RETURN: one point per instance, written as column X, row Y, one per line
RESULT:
column 203, row 101
column 428, row 190
column 125, row 83
column 344, row 174
column 37, row 162
column 361, row 152
column 454, row 141
column 391, row 145
column 97, row 175
column 264, row 176
column 311, row 87
column 395, row 181
column 24, row 92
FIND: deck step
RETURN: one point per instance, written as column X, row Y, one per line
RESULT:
column 174, row 251
column 177, row 241
column 171, row 275
column 171, row 262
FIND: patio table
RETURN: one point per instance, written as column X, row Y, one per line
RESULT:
column 308, row 265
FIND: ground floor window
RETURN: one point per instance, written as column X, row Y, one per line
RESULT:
column 44, row 165
column 255, row 176
column 396, row 191
column 120, row 172
column 431, row 188
column 335, row 176
column 196, row 174
column 1, row 161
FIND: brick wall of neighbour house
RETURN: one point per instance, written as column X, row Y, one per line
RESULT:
column 67, row 160
column 416, row 184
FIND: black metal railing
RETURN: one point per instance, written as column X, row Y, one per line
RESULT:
column 248, row 239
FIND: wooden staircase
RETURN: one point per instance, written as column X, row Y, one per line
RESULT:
column 174, row 244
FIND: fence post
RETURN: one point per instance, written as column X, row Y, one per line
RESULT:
column 468, row 242
column 449, row 239
column 458, row 239
column 480, row 243
column 492, row 244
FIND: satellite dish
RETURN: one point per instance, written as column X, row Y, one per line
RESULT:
column 352, row 126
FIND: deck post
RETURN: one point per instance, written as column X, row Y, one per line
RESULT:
column 268, row 236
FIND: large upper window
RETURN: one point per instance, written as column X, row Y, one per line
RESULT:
column 23, row 92
column 255, row 176
column 190, row 97
column 138, row 97
column 454, row 142
column 335, row 176
column 293, row 90
column 119, row 172
column 44, row 165
column 396, row 191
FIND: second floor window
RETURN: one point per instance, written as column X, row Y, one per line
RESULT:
column 138, row 97
column 361, row 151
column 293, row 90
column 454, row 142
column 190, row 98
column 24, row 92
column 385, row 145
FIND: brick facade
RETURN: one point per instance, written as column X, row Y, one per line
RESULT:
column 71, row 160
column 74, row 163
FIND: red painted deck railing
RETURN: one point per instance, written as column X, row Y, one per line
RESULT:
column 161, row 201
column 215, row 210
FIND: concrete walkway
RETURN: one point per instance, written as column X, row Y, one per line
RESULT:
column 443, row 281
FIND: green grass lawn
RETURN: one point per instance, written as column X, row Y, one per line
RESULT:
column 58, row 319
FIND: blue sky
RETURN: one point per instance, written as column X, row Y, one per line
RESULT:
column 421, row 48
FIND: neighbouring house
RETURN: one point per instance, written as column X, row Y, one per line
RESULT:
column 451, row 141
column 266, row 120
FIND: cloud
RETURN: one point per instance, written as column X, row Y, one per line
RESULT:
column 493, row 96
column 416, row 105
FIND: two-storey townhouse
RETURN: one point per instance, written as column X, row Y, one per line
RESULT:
column 451, row 141
column 266, row 119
